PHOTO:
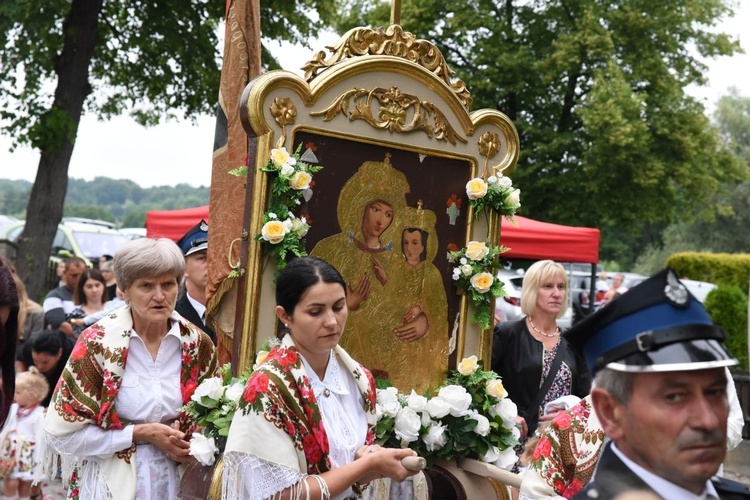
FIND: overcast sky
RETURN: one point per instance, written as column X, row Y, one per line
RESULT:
column 173, row 153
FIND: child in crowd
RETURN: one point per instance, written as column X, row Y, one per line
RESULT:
column 21, row 433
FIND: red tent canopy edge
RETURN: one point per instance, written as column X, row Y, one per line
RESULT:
column 543, row 240
column 173, row 224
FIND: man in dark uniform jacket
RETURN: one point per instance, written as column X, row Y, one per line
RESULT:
column 660, row 394
column 192, row 304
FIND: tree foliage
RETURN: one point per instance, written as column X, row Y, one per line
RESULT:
column 153, row 60
column 596, row 89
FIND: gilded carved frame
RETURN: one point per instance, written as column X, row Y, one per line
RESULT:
column 380, row 87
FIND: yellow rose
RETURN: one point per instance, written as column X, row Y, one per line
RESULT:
column 281, row 157
column 476, row 188
column 300, row 180
column 273, row 231
column 476, row 250
column 467, row 366
column 495, row 388
column 482, row 282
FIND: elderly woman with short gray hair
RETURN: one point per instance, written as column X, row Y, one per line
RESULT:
column 113, row 420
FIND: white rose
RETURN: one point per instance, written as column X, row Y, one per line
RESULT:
column 469, row 365
column 476, row 188
column 287, row 170
column 426, row 420
column 515, row 432
column 477, row 250
column 378, row 411
column 506, row 459
column 504, row 181
column 466, row 269
column 457, row 398
column 507, row 410
column 435, row 437
column 514, row 198
column 483, row 424
column 407, row 425
column 391, row 408
column 492, row 179
column 416, row 402
column 456, row 273
column 496, row 388
column 203, row 449
column 234, row 392
column 438, row 408
column 386, row 395
column 492, row 454
column 211, row 387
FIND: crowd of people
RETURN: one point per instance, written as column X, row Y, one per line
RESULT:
column 98, row 406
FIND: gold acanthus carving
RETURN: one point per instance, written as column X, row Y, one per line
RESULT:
column 284, row 112
column 392, row 41
column 391, row 114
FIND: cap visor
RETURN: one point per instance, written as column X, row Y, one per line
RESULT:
column 697, row 354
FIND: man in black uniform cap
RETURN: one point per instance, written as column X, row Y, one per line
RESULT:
column 660, row 394
column 192, row 304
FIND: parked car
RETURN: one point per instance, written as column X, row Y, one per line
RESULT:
column 509, row 308
column 698, row 288
column 88, row 239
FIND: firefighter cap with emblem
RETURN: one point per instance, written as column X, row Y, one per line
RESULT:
column 194, row 240
column 656, row 326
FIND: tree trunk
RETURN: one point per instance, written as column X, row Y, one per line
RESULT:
column 60, row 126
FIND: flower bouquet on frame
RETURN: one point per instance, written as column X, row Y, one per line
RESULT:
column 475, row 275
column 283, row 232
column 470, row 417
column 497, row 192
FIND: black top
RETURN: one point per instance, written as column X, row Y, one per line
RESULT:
column 24, row 356
column 518, row 358
column 185, row 309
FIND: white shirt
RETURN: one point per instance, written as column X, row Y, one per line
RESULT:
column 199, row 308
column 661, row 486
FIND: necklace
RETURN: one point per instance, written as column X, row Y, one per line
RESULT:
column 548, row 335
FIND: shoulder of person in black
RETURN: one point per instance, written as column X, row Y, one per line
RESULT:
column 25, row 356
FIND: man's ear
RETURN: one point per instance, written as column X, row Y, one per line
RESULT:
column 610, row 411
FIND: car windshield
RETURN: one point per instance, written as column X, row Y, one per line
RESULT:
column 94, row 245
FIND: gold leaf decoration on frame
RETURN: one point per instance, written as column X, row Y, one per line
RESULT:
column 391, row 41
column 284, row 112
column 393, row 107
column 489, row 145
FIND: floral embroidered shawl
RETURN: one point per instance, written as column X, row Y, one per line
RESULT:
column 279, row 405
column 85, row 395
column 566, row 456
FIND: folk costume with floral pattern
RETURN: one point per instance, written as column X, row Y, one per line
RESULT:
column 278, row 424
column 85, row 395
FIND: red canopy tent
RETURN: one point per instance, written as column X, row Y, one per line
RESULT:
column 173, row 224
column 542, row 240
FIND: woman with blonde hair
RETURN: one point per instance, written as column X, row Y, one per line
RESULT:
column 30, row 313
column 536, row 362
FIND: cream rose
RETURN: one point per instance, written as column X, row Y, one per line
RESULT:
column 407, row 424
column 457, row 398
column 476, row 188
column 477, row 250
column 281, row 157
column 482, row 282
column 514, row 198
column 469, row 365
column 273, row 231
column 203, row 449
column 300, row 180
column 259, row 358
column 287, row 170
column 466, row 269
column 496, row 388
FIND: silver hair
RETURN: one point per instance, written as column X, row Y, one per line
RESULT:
column 533, row 279
column 618, row 384
column 146, row 258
